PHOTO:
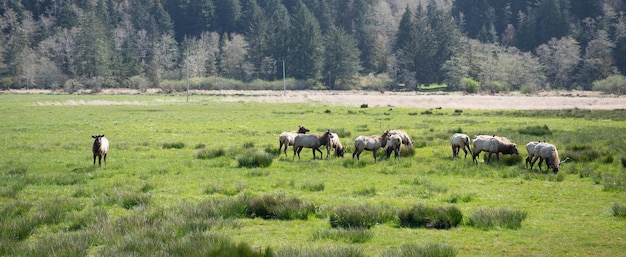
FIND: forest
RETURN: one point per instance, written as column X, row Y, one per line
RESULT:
column 488, row 46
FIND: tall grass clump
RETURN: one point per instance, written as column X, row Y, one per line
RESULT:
column 421, row 215
column 174, row 145
column 536, row 130
column 279, row 207
column 335, row 251
column 614, row 182
column 254, row 160
column 205, row 154
column 430, row 250
column 618, row 210
column 359, row 217
column 407, row 151
column 353, row 236
column 489, row 217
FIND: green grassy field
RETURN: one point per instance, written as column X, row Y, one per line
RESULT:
column 155, row 200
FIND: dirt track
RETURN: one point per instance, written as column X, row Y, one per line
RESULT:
column 546, row 101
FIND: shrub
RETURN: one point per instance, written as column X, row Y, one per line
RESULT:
column 623, row 159
column 469, row 85
column 430, row 217
column 364, row 105
column 175, row 145
column 359, row 217
column 279, row 207
column 407, row 151
column 614, row 84
column 536, row 130
column 618, row 210
column 487, row 218
column 255, row 159
column 434, row 250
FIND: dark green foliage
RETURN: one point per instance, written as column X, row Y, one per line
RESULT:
column 174, row 145
column 430, row 250
column 279, row 207
column 455, row 198
column 623, row 159
column 536, row 131
column 618, row 210
column 489, row 217
column 430, row 217
column 511, row 160
column 248, row 145
column 359, row 217
column 255, row 160
column 364, row 105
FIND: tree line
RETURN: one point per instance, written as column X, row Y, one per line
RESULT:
column 487, row 45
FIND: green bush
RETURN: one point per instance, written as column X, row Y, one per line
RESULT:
column 359, row 217
column 279, row 207
column 469, row 85
column 175, row 145
column 489, row 217
column 618, row 210
column 614, row 84
column 623, row 159
column 430, row 217
column 536, row 131
column 431, row 250
column 255, row 159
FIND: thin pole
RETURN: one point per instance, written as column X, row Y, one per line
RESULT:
column 187, row 78
column 284, row 83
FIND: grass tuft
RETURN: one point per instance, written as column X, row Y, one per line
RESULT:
column 536, row 131
column 352, row 236
column 254, row 160
column 618, row 210
column 359, row 217
column 431, row 250
column 205, row 154
column 174, row 145
column 430, row 217
column 489, row 217
column 335, row 251
column 279, row 207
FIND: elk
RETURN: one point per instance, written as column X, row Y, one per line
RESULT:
column 530, row 148
column 460, row 142
column 371, row 143
column 313, row 141
column 547, row 152
column 100, row 149
column 335, row 143
column 287, row 138
column 406, row 140
column 394, row 142
column 491, row 145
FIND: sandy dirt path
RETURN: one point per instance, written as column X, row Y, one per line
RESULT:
column 543, row 101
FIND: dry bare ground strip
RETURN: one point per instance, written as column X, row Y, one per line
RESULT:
column 549, row 100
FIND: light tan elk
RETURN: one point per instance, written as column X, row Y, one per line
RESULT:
column 406, row 140
column 335, row 143
column 100, row 149
column 313, row 141
column 460, row 142
column 394, row 142
column 530, row 148
column 287, row 138
column 371, row 143
column 547, row 152
column 491, row 145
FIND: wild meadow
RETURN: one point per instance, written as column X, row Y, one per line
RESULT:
column 205, row 178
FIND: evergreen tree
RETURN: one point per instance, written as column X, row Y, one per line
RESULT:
column 227, row 15
column 342, row 63
column 305, row 50
column 278, row 32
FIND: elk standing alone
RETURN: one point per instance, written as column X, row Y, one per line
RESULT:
column 100, row 149
column 287, row 138
column 371, row 143
column 312, row 141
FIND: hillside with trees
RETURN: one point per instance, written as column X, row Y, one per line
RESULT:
column 474, row 46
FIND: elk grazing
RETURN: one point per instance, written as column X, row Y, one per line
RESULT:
column 394, row 142
column 287, row 138
column 335, row 143
column 406, row 140
column 371, row 143
column 100, row 149
column 530, row 148
column 313, row 141
column 491, row 145
column 460, row 142
column 547, row 152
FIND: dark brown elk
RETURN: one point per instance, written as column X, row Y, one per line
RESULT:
column 100, row 149
column 313, row 141
column 287, row 138
column 460, row 142
column 491, row 145
column 371, row 143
